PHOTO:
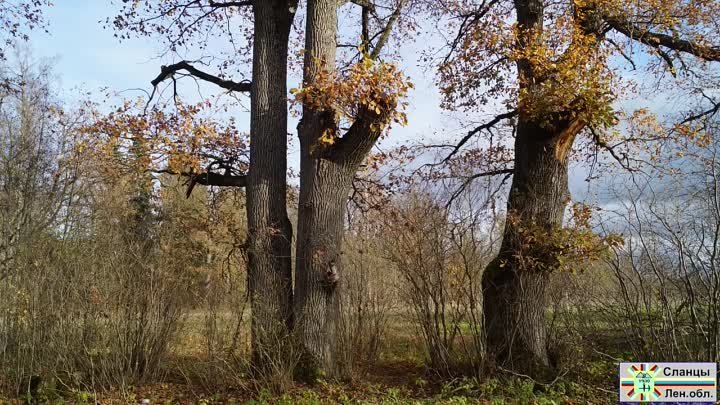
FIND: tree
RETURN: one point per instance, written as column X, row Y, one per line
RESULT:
column 558, row 66
column 368, row 97
column 17, row 18
column 268, row 224
column 365, row 95
column 38, row 171
column 183, row 23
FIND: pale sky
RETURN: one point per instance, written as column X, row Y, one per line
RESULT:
column 89, row 57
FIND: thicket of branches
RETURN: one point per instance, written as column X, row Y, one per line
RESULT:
column 158, row 241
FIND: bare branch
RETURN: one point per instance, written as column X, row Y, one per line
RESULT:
column 507, row 172
column 707, row 113
column 365, row 22
column 222, row 4
column 468, row 21
column 622, row 52
column 362, row 3
column 656, row 40
column 208, row 179
column 622, row 160
column 476, row 130
column 167, row 71
column 387, row 30
column 215, row 179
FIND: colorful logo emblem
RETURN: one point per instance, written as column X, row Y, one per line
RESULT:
column 641, row 383
column 668, row 382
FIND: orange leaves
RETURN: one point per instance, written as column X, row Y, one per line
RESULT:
column 368, row 87
column 694, row 132
column 544, row 249
column 181, row 141
column 568, row 75
column 563, row 67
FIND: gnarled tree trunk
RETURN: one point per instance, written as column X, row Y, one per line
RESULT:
column 326, row 174
column 323, row 194
column 269, row 229
column 515, row 296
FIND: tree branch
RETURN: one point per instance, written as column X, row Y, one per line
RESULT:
column 215, row 179
column 362, row 3
column 222, row 4
column 387, row 30
column 359, row 139
column 707, row 113
column 507, row 172
column 623, row 161
column 473, row 132
column 167, row 71
column 208, row 179
column 656, row 40
column 365, row 32
column 468, row 21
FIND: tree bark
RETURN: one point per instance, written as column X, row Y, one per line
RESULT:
column 326, row 177
column 323, row 195
column 515, row 298
column 324, row 189
column 269, row 229
column 326, row 174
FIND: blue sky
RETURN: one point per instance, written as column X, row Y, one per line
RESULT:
column 89, row 57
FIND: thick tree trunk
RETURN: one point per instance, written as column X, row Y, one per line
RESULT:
column 515, row 296
column 320, row 211
column 269, row 229
column 325, row 182
column 326, row 174
column 324, row 189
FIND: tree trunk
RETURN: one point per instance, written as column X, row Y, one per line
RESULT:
column 323, row 194
column 324, row 189
column 326, row 174
column 515, row 297
column 325, row 182
column 269, row 229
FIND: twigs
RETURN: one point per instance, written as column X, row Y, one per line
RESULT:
column 486, row 126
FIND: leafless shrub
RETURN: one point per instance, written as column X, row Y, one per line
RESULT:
column 657, row 297
column 95, row 310
column 440, row 259
column 369, row 293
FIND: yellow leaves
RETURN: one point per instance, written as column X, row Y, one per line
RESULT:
column 572, row 78
column 402, row 119
column 548, row 249
column 372, row 106
column 367, row 87
column 185, row 139
column 694, row 132
column 328, row 137
column 81, row 147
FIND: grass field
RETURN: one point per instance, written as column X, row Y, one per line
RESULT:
column 399, row 376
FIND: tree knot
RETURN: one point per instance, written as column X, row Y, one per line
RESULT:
column 331, row 277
